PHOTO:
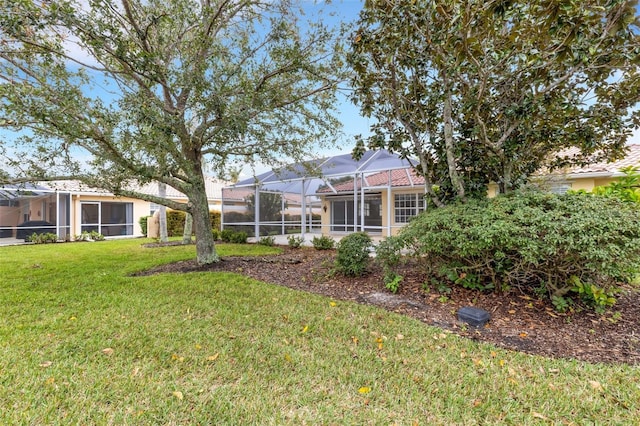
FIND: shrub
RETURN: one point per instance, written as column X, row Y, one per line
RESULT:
column 226, row 235
column 531, row 240
column 389, row 256
column 216, row 234
column 43, row 238
column 626, row 188
column 239, row 237
column 89, row 236
column 323, row 243
column 269, row 241
column 295, row 241
column 214, row 218
column 231, row 236
column 143, row 224
column 175, row 222
column 352, row 254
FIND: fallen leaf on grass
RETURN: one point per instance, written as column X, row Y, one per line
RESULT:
column 596, row 385
column 107, row 351
column 364, row 390
column 305, row 329
column 46, row 364
column 178, row 395
column 538, row 416
column 213, row 357
column 332, row 304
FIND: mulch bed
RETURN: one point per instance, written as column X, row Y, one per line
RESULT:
column 519, row 322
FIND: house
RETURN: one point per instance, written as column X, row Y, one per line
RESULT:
column 381, row 192
column 68, row 208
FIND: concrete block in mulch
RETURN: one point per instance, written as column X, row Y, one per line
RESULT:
column 475, row 317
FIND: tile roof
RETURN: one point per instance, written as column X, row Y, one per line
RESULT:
column 631, row 159
column 408, row 177
column 399, row 178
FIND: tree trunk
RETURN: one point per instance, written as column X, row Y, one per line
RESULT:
column 162, row 193
column 506, row 186
column 456, row 181
column 199, row 209
column 188, row 229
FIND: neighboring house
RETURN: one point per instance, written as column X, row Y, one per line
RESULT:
column 68, row 208
column 597, row 174
column 380, row 194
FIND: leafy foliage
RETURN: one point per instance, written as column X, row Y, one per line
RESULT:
column 626, row 187
column 352, row 254
column 271, row 205
column 43, row 238
column 484, row 91
column 231, row 236
column 323, row 242
column 532, row 241
column 295, row 241
column 389, row 255
column 190, row 84
column 143, row 224
column 268, row 241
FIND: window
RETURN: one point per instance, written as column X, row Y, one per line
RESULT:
column 109, row 219
column 407, row 206
column 153, row 207
column 559, row 188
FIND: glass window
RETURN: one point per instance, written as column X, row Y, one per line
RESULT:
column 109, row 219
column 407, row 206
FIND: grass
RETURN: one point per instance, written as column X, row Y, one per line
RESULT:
column 81, row 342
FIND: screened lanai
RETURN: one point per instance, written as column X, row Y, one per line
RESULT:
column 378, row 194
column 28, row 208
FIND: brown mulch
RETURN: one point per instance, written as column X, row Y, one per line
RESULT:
column 518, row 322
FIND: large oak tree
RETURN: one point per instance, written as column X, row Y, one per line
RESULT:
column 494, row 90
column 116, row 91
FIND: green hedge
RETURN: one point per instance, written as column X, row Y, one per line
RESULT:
column 176, row 218
column 576, row 246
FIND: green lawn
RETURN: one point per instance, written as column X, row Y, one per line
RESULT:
column 83, row 343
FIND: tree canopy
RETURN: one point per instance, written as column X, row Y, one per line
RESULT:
column 150, row 90
column 485, row 91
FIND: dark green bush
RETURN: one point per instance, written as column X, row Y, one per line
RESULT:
column 239, row 237
column 143, row 224
column 226, row 235
column 531, row 241
column 352, row 254
column 216, row 234
column 231, row 236
column 323, row 243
